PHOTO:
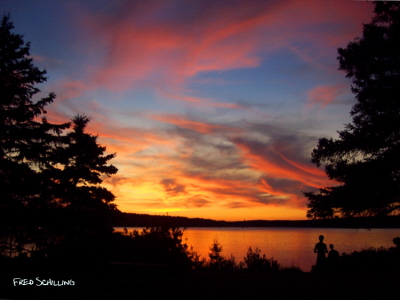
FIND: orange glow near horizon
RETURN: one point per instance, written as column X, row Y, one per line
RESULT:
column 180, row 185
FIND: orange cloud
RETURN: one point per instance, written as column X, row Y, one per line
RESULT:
column 303, row 167
column 177, row 170
column 283, row 168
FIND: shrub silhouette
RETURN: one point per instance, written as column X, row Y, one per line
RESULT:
column 153, row 245
column 219, row 262
column 255, row 262
column 371, row 260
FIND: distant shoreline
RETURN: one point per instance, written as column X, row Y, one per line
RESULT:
column 141, row 220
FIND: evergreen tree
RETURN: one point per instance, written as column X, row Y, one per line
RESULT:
column 26, row 141
column 365, row 160
column 216, row 258
column 81, row 167
column 49, row 178
column 83, row 210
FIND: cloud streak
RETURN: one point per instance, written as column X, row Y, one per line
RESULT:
column 164, row 45
column 223, row 166
column 327, row 94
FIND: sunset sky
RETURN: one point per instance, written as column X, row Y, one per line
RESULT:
column 213, row 107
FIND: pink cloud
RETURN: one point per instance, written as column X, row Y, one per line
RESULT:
column 72, row 89
column 264, row 160
column 163, row 44
column 64, row 107
column 326, row 94
column 139, row 49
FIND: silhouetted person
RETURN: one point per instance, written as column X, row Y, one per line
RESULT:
column 333, row 257
column 333, row 254
column 396, row 250
column 321, row 249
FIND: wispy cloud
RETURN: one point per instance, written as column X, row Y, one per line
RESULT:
column 240, row 165
column 172, row 187
column 188, row 124
column 327, row 94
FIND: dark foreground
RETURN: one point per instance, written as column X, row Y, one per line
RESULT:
column 159, row 282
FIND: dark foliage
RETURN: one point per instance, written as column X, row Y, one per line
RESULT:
column 25, row 142
column 372, row 260
column 255, row 262
column 364, row 161
column 81, row 164
column 52, row 204
column 218, row 262
column 154, row 245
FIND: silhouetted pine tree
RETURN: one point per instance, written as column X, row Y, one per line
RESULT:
column 26, row 141
column 49, row 178
column 80, row 170
column 365, row 159
column 82, row 165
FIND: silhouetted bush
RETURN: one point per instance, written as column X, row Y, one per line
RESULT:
column 219, row 262
column 371, row 260
column 255, row 262
column 154, row 245
column 197, row 262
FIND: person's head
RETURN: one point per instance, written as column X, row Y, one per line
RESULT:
column 331, row 246
column 321, row 238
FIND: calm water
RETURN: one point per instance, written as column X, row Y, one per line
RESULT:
column 289, row 246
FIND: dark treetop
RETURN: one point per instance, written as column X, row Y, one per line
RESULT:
column 364, row 161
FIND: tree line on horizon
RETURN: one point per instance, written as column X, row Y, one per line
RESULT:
column 122, row 219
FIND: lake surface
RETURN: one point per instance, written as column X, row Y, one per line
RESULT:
column 289, row 246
